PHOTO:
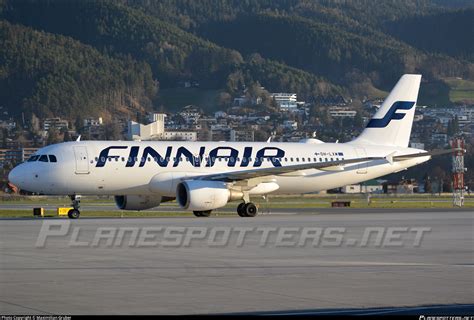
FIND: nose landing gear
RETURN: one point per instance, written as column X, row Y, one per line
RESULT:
column 74, row 213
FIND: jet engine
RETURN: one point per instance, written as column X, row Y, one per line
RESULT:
column 139, row 202
column 201, row 195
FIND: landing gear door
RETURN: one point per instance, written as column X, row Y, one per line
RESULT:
column 82, row 160
column 362, row 167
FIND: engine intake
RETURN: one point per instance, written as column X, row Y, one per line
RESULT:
column 201, row 195
column 138, row 202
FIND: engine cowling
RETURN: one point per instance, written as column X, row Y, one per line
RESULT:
column 201, row 195
column 138, row 202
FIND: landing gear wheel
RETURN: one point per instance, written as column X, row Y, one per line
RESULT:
column 73, row 214
column 249, row 210
column 240, row 209
column 202, row 213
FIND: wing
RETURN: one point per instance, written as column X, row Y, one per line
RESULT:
column 259, row 172
column 329, row 165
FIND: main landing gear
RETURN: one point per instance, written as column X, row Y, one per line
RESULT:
column 74, row 213
column 247, row 209
column 206, row 213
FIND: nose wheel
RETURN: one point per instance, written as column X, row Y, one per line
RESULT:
column 248, row 209
column 74, row 213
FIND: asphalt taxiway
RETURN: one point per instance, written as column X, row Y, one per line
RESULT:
column 272, row 276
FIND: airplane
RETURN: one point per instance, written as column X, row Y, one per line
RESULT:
column 204, row 176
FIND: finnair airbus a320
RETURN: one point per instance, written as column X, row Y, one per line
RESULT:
column 204, row 176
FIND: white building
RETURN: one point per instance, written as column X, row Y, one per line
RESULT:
column 371, row 186
column 191, row 114
column 341, row 112
column 152, row 131
column 220, row 114
column 290, row 124
column 92, row 122
column 286, row 101
column 156, row 131
column 180, row 135
column 57, row 123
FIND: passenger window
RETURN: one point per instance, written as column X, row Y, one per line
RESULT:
column 52, row 158
column 43, row 158
column 33, row 158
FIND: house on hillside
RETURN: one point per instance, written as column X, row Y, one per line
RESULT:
column 371, row 186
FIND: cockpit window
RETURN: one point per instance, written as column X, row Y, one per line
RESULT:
column 52, row 158
column 43, row 158
column 33, row 158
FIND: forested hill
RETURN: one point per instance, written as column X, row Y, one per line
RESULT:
column 97, row 57
column 444, row 32
column 51, row 75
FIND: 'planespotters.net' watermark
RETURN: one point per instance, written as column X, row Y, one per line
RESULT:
column 221, row 236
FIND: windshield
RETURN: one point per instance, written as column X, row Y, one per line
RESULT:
column 33, row 158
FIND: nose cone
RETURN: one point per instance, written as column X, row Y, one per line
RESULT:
column 15, row 176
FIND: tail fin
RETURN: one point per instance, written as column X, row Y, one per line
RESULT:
column 391, row 124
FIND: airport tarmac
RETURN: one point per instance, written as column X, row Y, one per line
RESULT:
column 70, row 274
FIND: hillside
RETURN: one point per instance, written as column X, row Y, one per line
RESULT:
column 447, row 33
column 173, row 54
column 103, row 54
column 52, row 75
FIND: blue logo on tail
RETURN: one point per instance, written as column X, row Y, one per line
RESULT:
column 391, row 114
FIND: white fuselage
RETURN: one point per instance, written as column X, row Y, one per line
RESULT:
column 84, row 167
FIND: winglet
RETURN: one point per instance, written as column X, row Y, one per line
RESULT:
column 269, row 139
column 78, row 138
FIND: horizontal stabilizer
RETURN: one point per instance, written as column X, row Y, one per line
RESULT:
column 436, row 152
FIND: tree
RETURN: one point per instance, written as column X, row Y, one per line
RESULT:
column 358, row 121
column 53, row 136
column 427, row 181
column 112, row 131
column 79, row 124
column 67, row 136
